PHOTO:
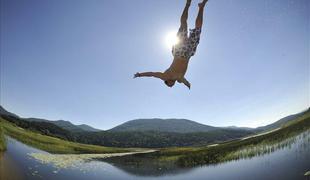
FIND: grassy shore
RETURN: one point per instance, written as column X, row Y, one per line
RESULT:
column 193, row 156
column 2, row 139
column 52, row 144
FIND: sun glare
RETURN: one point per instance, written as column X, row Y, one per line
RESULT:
column 171, row 39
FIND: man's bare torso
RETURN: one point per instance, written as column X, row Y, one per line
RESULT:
column 177, row 69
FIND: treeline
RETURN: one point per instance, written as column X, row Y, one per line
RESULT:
column 154, row 139
column 150, row 139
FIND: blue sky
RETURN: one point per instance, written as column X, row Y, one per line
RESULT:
column 74, row 60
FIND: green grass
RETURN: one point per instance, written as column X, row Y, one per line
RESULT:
column 52, row 144
column 2, row 139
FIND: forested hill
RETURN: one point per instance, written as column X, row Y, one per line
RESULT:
column 163, row 125
column 5, row 112
column 67, row 125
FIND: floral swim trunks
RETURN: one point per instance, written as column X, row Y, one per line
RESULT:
column 187, row 45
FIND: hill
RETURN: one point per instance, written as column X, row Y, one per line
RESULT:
column 158, row 125
column 86, row 127
column 282, row 121
column 163, row 125
column 50, row 144
column 188, row 126
column 67, row 125
column 5, row 112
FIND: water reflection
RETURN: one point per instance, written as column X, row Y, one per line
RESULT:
column 8, row 168
column 144, row 165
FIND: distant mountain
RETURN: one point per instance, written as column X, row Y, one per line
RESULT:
column 65, row 124
column 60, row 123
column 144, row 132
column 163, row 125
column 5, row 112
column 43, row 127
column 86, row 127
column 236, row 127
column 159, row 125
column 188, row 126
column 281, row 122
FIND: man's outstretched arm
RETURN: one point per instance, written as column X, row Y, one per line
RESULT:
column 159, row 75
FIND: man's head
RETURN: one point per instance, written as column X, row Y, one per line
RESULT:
column 170, row 83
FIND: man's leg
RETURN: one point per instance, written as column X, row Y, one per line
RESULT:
column 185, row 14
column 195, row 33
column 200, row 13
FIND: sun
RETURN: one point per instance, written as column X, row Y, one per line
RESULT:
column 171, row 39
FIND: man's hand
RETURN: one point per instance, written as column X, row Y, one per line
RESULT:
column 186, row 83
column 136, row 75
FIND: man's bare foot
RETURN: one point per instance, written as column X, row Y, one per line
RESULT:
column 202, row 4
column 188, row 2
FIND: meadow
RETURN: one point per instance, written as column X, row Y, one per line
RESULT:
column 2, row 139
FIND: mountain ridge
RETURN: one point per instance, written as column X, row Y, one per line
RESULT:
column 157, row 124
column 163, row 125
column 5, row 112
column 281, row 121
column 185, row 133
column 61, row 123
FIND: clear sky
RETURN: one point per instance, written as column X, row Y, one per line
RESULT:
column 75, row 59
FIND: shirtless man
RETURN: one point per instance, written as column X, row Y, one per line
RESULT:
column 181, row 51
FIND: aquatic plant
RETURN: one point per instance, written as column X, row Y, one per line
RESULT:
column 74, row 160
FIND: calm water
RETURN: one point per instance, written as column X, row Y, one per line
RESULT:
column 288, row 162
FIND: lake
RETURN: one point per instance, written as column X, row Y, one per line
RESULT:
column 288, row 160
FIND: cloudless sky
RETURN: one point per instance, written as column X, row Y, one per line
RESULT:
column 75, row 59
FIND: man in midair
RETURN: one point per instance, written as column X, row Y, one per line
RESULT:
column 182, row 51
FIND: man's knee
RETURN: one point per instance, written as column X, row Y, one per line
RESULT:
column 198, row 25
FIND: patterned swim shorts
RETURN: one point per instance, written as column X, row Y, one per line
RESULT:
column 187, row 45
